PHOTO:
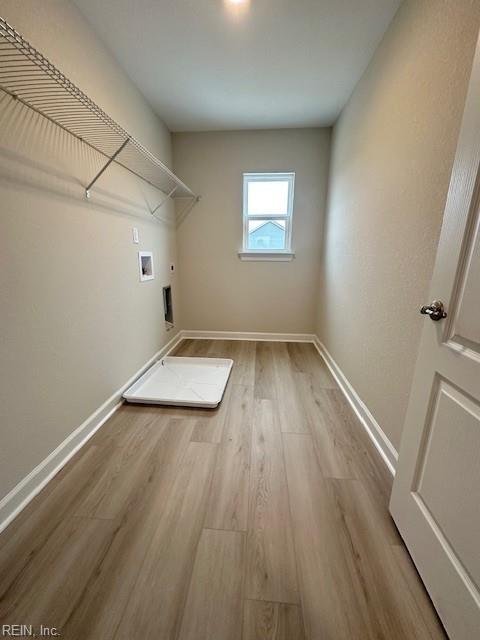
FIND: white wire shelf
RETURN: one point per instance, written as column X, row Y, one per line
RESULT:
column 27, row 76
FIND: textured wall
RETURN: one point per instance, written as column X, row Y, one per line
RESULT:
column 392, row 154
column 219, row 291
column 75, row 321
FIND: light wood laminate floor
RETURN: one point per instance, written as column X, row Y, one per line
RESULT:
column 265, row 519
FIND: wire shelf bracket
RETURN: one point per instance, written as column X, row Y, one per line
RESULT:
column 162, row 202
column 186, row 210
column 104, row 168
column 26, row 75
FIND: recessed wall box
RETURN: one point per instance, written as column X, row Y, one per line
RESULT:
column 168, row 306
column 145, row 265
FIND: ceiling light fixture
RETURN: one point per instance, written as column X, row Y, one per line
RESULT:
column 237, row 5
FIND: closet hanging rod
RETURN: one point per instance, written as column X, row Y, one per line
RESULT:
column 27, row 76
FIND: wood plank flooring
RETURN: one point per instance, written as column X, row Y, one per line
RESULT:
column 264, row 519
column 271, row 572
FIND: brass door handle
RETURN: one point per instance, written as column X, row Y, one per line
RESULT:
column 435, row 310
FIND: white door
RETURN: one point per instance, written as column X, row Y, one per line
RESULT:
column 436, row 493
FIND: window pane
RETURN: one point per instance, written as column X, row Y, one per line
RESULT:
column 269, row 197
column 268, row 235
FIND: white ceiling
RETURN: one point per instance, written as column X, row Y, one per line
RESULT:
column 279, row 63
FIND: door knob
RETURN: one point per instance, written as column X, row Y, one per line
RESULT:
column 435, row 310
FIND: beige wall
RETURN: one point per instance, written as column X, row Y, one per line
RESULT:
column 392, row 154
column 220, row 292
column 75, row 321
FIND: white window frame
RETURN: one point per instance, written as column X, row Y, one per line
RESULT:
column 267, row 254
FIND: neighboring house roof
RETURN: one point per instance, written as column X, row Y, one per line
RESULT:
column 279, row 226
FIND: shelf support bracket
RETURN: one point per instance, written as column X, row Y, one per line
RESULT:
column 105, row 167
column 162, row 202
column 186, row 210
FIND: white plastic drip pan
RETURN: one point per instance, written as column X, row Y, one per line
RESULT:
column 186, row 382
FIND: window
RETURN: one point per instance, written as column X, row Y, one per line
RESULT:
column 267, row 214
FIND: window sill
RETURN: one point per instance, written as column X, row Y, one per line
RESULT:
column 266, row 256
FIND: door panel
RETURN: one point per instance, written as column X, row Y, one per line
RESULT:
column 448, row 468
column 465, row 326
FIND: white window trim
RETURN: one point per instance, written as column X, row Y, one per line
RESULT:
column 266, row 254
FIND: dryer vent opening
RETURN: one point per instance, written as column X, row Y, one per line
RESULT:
column 168, row 306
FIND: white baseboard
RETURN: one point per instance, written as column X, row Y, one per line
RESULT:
column 18, row 498
column 382, row 443
column 386, row 449
column 247, row 335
